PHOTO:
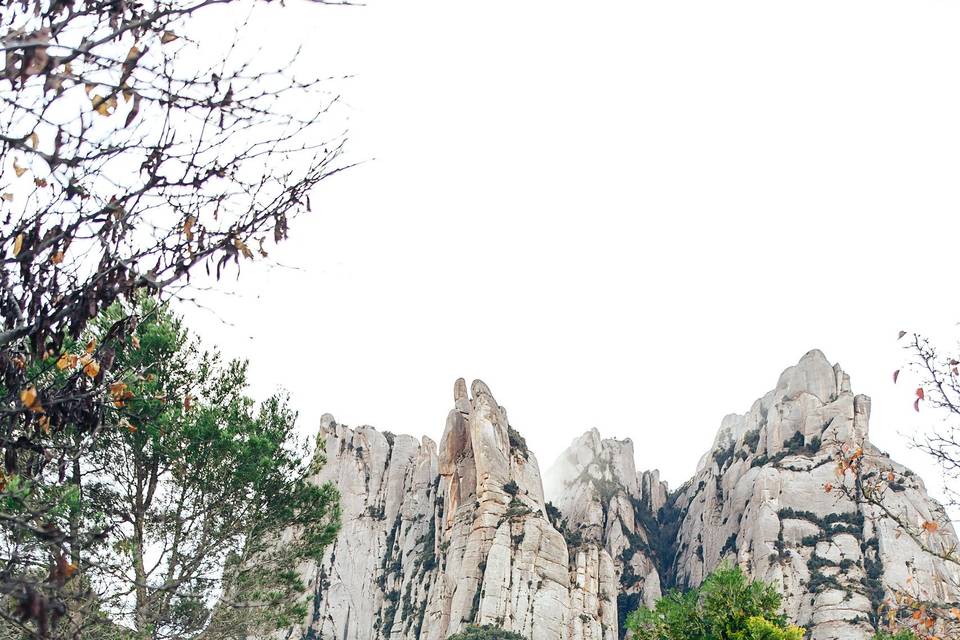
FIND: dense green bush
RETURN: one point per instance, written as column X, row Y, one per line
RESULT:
column 725, row 607
column 903, row 634
column 485, row 632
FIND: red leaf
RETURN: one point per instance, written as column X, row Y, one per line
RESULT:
column 920, row 393
column 916, row 404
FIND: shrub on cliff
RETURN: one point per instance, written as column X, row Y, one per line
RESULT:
column 485, row 632
column 726, row 606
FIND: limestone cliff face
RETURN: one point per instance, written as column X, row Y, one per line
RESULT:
column 768, row 497
column 433, row 540
column 384, row 558
column 604, row 501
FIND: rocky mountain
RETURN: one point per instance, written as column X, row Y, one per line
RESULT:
column 595, row 485
column 436, row 538
column 433, row 539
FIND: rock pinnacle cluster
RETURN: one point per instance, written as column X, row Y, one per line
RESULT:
column 469, row 532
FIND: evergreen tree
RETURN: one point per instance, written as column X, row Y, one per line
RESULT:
column 177, row 509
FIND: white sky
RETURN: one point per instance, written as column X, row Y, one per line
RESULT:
column 629, row 216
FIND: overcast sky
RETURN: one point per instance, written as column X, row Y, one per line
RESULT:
column 624, row 215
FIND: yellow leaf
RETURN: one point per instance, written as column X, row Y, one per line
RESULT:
column 91, row 346
column 29, row 396
column 29, row 399
column 104, row 106
column 828, row 487
column 168, row 36
column 135, row 341
column 40, row 182
column 930, row 526
column 242, row 246
column 133, row 53
column 120, row 393
column 45, row 424
column 57, row 258
column 188, row 228
column 34, row 140
column 17, row 244
column 18, row 169
column 955, row 612
column 70, row 569
column 67, row 361
column 92, row 368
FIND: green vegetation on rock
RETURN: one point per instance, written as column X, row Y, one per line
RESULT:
column 903, row 634
column 485, row 632
column 727, row 606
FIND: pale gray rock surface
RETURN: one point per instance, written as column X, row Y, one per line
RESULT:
column 604, row 501
column 768, row 497
column 437, row 537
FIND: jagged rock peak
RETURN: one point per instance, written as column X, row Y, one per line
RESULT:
column 766, row 496
column 600, row 459
column 815, row 375
column 604, row 501
column 434, row 539
column 505, row 563
column 651, row 485
column 800, row 391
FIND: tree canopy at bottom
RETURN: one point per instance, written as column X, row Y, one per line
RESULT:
column 485, row 632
